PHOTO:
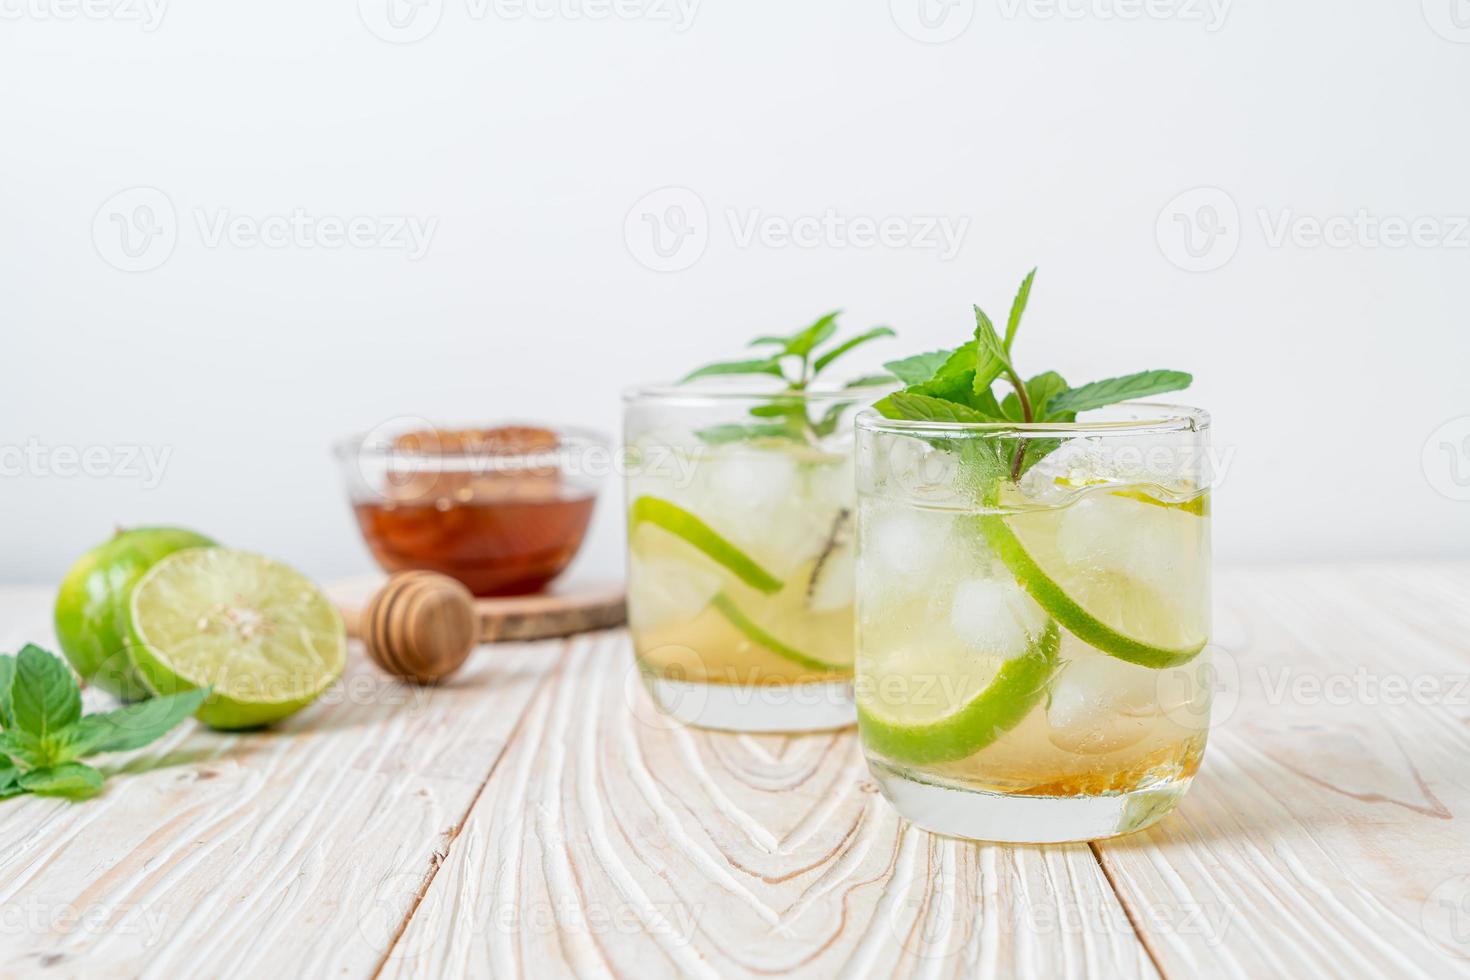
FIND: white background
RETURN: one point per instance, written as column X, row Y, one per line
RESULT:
column 528, row 135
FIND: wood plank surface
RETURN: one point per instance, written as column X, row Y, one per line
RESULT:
column 536, row 818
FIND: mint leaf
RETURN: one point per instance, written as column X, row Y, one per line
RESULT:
column 989, row 344
column 23, row 746
column 804, row 341
column 9, row 774
column 1041, row 389
column 848, row 345
column 1113, row 390
column 127, row 728
column 926, row 408
column 768, row 365
column 827, row 424
column 919, row 368
column 74, row 780
column 7, row 677
column 44, row 696
column 1018, row 307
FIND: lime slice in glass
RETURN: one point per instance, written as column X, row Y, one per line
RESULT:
column 755, row 632
column 678, row 521
column 1118, row 573
column 258, row 632
column 928, row 709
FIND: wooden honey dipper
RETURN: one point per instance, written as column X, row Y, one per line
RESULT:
column 421, row 625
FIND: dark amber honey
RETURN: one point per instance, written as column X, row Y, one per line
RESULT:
column 500, row 531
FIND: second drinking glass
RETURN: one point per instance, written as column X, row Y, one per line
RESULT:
column 741, row 554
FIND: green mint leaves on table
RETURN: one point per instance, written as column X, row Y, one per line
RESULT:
column 45, row 733
column 797, row 360
column 956, row 386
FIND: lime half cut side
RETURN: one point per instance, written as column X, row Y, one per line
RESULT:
column 259, row 633
column 918, row 729
column 678, row 521
column 754, row 631
column 1149, row 623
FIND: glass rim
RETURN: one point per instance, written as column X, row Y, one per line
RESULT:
column 569, row 438
column 1158, row 417
column 676, row 394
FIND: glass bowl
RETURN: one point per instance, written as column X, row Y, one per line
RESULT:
column 503, row 509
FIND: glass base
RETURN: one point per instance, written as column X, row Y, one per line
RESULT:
column 1003, row 818
column 814, row 707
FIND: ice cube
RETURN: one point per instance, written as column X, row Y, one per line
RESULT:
column 995, row 617
column 663, row 590
column 903, row 547
column 1100, row 704
column 1145, row 542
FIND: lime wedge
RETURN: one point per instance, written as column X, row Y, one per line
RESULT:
column 753, row 631
column 1198, row 506
column 1115, row 613
column 678, row 521
column 911, row 731
column 259, row 633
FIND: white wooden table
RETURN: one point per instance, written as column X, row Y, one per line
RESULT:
column 533, row 818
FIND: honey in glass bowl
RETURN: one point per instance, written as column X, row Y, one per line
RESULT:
column 499, row 509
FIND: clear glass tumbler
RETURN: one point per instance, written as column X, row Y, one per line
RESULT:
column 741, row 553
column 1033, row 607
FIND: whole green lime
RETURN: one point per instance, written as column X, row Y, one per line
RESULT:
column 92, row 606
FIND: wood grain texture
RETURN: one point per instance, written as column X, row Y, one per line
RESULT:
column 1327, row 834
column 293, row 852
column 612, row 843
column 534, row 818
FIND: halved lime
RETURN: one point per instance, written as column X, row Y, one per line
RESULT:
column 256, row 631
column 92, row 604
column 1121, row 614
column 924, row 720
column 754, row 631
column 676, row 520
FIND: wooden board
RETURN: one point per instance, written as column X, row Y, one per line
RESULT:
column 565, row 609
column 533, row 818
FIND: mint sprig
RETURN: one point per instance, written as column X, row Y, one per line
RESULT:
column 958, row 386
column 798, row 361
column 45, row 733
